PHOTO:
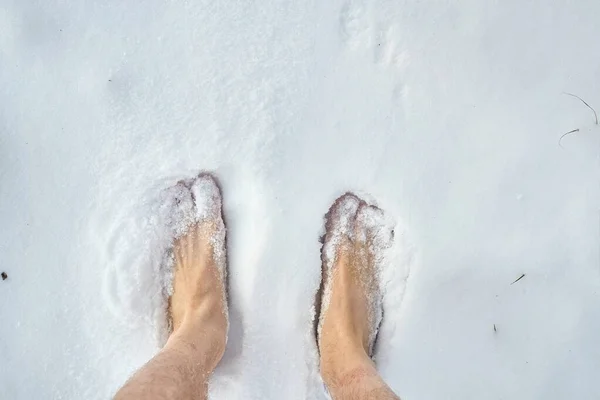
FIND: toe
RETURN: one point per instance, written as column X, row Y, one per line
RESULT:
column 207, row 197
column 177, row 209
column 340, row 217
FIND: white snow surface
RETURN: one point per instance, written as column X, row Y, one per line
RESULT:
column 448, row 114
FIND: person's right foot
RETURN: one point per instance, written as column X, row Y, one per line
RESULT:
column 350, row 306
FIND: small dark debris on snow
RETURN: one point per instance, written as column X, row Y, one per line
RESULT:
column 518, row 279
column 4, row 276
column 586, row 104
column 565, row 134
column 495, row 330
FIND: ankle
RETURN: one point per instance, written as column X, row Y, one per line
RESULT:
column 340, row 355
column 343, row 369
column 203, row 339
column 207, row 310
column 338, row 341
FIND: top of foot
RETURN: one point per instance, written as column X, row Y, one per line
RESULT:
column 351, row 300
column 199, row 271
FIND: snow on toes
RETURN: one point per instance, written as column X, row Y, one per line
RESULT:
column 176, row 210
column 207, row 197
column 339, row 227
column 375, row 231
column 208, row 201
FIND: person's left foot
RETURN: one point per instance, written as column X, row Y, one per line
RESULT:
column 199, row 294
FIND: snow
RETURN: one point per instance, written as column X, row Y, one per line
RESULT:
column 447, row 113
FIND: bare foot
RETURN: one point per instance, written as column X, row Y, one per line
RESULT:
column 351, row 302
column 199, row 303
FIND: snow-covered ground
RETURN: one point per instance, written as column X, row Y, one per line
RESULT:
column 447, row 113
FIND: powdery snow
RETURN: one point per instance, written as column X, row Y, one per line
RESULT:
column 448, row 114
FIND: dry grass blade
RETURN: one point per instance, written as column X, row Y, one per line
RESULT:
column 568, row 133
column 584, row 102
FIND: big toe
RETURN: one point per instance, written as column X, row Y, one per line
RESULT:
column 207, row 197
column 211, row 227
column 177, row 209
column 339, row 221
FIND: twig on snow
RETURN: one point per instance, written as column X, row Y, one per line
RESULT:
column 518, row 279
column 565, row 134
column 584, row 102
